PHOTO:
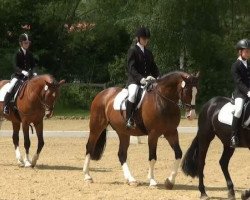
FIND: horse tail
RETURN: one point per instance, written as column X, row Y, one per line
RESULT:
column 190, row 160
column 96, row 150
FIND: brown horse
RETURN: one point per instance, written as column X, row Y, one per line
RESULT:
column 159, row 114
column 35, row 99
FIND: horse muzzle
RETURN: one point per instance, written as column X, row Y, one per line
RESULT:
column 190, row 114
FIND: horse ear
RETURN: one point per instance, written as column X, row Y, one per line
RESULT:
column 61, row 82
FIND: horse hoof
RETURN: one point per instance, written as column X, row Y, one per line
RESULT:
column 168, row 184
column 27, row 164
column 245, row 195
column 88, row 180
column 152, row 183
column 133, row 183
column 204, row 197
column 231, row 196
column 20, row 163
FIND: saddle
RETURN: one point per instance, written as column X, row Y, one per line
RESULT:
column 121, row 97
column 227, row 111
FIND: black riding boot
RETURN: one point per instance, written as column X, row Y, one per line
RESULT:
column 7, row 98
column 234, row 136
column 129, row 112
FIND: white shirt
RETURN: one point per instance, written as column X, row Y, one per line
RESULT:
column 141, row 47
column 24, row 50
column 243, row 61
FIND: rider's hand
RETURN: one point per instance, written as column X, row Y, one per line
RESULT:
column 248, row 94
column 150, row 78
column 34, row 74
column 25, row 73
column 143, row 81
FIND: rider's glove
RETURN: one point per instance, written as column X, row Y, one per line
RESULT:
column 248, row 94
column 34, row 74
column 143, row 81
column 25, row 73
column 150, row 78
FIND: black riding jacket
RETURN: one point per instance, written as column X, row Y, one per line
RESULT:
column 140, row 65
column 241, row 77
column 23, row 62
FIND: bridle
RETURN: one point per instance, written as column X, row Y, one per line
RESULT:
column 42, row 100
column 180, row 104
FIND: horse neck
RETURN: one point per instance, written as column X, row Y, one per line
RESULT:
column 36, row 85
column 169, row 88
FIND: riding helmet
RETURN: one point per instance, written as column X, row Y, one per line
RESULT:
column 243, row 44
column 24, row 37
column 143, row 32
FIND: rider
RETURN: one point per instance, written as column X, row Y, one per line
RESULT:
column 241, row 76
column 141, row 68
column 24, row 64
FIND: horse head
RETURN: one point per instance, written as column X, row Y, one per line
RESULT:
column 50, row 94
column 188, row 91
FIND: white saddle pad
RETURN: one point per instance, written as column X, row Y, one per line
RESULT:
column 3, row 91
column 121, row 96
column 226, row 114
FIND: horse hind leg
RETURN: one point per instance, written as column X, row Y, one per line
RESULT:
column 224, row 161
column 27, row 162
column 15, row 138
column 96, row 143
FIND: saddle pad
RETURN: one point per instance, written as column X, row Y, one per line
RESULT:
column 120, row 97
column 3, row 91
column 226, row 114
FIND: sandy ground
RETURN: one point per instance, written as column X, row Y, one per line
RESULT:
column 58, row 174
column 77, row 125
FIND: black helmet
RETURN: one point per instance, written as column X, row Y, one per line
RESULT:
column 143, row 32
column 243, row 44
column 24, row 37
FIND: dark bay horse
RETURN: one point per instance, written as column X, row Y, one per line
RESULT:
column 209, row 126
column 35, row 99
column 159, row 114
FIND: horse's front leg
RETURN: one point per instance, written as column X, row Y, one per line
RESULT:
column 26, row 136
column 122, row 154
column 15, row 138
column 152, row 145
column 39, row 132
column 174, row 143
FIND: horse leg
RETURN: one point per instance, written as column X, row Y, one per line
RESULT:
column 152, row 145
column 39, row 132
column 173, row 140
column 96, row 143
column 15, row 138
column 122, row 155
column 27, row 162
column 224, row 161
column 203, row 147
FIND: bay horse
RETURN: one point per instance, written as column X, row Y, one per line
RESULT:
column 36, row 98
column 158, row 114
column 209, row 126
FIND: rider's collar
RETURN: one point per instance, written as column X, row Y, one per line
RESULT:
column 243, row 61
column 24, row 50
column 141, row 47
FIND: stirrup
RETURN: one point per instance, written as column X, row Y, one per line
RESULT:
column 234, row 142
column 130, row 123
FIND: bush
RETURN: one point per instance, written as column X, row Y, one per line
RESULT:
column 77, row 96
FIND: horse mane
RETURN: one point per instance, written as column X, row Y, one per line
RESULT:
column 172, row 76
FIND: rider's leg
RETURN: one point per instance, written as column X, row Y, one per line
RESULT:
column 130, row 105
column 8, row 95
column 239, row 102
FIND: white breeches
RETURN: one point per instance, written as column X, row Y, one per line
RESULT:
column 12, row 84
column 239, row 102
column 132, row 90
